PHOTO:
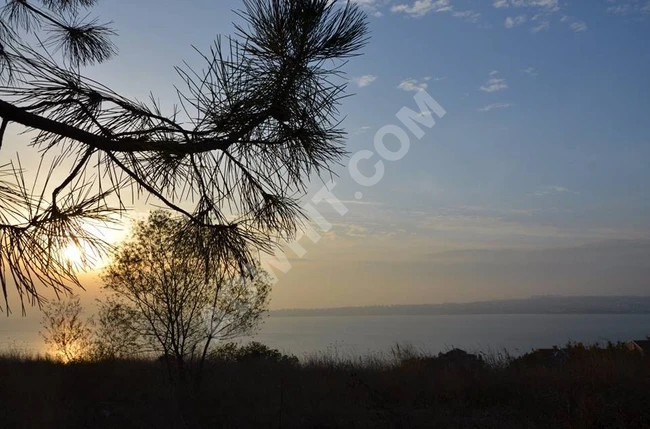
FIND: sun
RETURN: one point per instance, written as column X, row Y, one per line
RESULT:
column 80, row 254
column 89, row 251
column 73, row 255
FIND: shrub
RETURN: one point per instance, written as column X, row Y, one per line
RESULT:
column 251, row 352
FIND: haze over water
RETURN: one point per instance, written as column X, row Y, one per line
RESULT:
column 358, row 335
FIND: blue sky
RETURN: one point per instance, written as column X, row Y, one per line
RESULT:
column 535, row 181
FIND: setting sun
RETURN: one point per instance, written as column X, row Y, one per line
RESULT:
column 83, row 254
column 73, row 255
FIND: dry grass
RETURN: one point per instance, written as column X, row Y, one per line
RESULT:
column 594, row 389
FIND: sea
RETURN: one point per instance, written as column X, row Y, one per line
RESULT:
column 350, row 336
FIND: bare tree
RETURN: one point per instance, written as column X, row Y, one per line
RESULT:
column 252, row 126
column 178, row 303
column 67, row 333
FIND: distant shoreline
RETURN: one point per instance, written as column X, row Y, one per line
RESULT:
column 544, row 305
column 272, row 314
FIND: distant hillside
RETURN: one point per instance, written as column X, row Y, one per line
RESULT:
column 534, row 305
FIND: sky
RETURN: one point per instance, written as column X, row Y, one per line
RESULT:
column 533, row 182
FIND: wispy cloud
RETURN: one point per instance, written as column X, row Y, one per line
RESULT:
column 552, row 5
column 575, row 26
column 364, row 80
column 467, row 15
column 553, row 189
column 413, row 84
column 516, row 21
column 530, row 71
column 369, row 6
column 629, row 7
column 485, row 226
column 542, row 26
column 542, row 11
column 362, row 130
column 578, row 26
column 425, row 113
column 494, row 106
column 494, row 83
column 543, row 14
column 422, row 7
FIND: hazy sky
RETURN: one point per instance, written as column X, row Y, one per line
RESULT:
column 534, row 182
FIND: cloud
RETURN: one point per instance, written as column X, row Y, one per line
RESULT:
column 542, row 26
column 553, row 189
column 578, row 26
column 494, row 83
column 530, row 71
column 412, row 85
column 543, row 13
column 430, row 272
column 494, row 106
column 485, row 225
column 358, row 203
column 515, row 21
column 422, row 7
column 369, row 6
column 467, row 15
column 629, row 7
column 364, row 80
column 362, row 130
column 575, row 26
column 425, row 113
column 552, row 5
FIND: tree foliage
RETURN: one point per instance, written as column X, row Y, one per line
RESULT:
column 67, row 333
column 173, row 302
column 115, row 334
column 252, row 126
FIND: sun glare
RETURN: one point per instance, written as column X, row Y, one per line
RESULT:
column 83, row 255
column 73, row 255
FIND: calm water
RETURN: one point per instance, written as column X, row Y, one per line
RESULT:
column 517, row 333
column 362, row 334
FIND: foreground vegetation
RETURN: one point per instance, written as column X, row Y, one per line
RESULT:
column 256, row 387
